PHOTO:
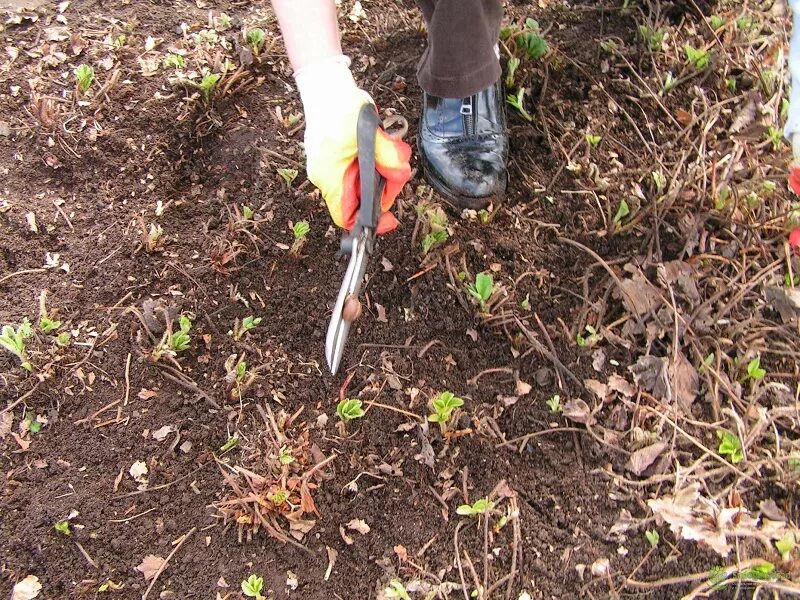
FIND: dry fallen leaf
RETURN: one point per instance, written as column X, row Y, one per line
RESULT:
column 27, row 589
column 381, row 313
column 650, row 373
column 332, row 556
column 640, row 460
column 358, row 525
column 345, row 538
column 577, row 410
column 639, row 295
column 523, row 388
column 600, row 567
column 685, row 382
column 6, row 420
column 150, row 566
column 138, row 471
column 161, row 434
column 145, row 394
column 401, row 552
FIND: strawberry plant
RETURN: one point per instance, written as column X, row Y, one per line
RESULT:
column 730, row 446
column 443, row 407
column 518, row 102
column 252, row 587
column 46, row 323
column 84, row 76
column 300, row 232
column 482, row 289
column 477, row 508
column 349, row 409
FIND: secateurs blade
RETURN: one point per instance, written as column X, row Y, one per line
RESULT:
column 359, row 243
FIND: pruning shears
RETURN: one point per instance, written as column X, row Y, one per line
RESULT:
column 359, row 243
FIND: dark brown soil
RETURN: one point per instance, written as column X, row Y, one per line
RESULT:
column 143, row 153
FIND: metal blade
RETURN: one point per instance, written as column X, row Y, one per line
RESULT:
column 338, row 329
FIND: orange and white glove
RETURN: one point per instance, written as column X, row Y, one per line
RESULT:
column 332, row 102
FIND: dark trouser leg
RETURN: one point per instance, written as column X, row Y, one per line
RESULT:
column 462, row 135
column 462, row 34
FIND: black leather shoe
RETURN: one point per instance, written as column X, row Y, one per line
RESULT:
column 463, row 144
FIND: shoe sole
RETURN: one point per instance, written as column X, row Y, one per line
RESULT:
column 455, row 200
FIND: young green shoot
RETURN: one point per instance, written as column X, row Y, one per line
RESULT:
column 179, row 340
column 433, row 239
column 730, row 446
column 754, row 370
column 300, row 235
column 255, row 39
column 698, row 58
column 526, row 303
column 669, row 84
column 622, row 211
column 775, row 135
column 528, row 42
column 652, row 537
column 288, row 176
column 153, row 240
column 230, row 444
column 608, row 46
column 477, row 508
column 436, row 220
column 594, row 140
column 482, row 289
column 46, row 323
column 396, row 590
column 174, row 61
column 63, row 339
column 62, row 527
column 587, row 341
column 248, row 324
column 518, row 102
column 786, row 545
column 286, row 457
column 554, row 404
column 716, row 22
column 443, row 407
column 13, row 340
column 207, row 86
column 654, row 38
column 252, row 587
column 84, row 76
column 511, row 73
column 33, row 423
column 349, row 409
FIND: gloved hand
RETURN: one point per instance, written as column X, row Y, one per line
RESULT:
column 331, row 102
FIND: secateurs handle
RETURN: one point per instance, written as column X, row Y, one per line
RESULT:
column 372, row 182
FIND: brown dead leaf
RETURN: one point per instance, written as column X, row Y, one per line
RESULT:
column 522, row 388
column 345, row 538
column 685, row 382
column 639, row 295
column 300, row 527
column 381, row 313
column 640, row 460
column 598, row 388
column 118, row 479
column 6, row 421
column 150, row 566
column 401, row 552
column 746, row 115
column 145, row 394
column 332, row 556
column 358, row 525
column 650, row 373
column 577, row 410
column 23, row 444
column 621, row 385
column 786, row 301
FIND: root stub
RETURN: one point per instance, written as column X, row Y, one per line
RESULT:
column 351, row 310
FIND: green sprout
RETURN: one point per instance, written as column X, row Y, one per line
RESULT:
column 484, row 216
column 279, row 497
column 252, row 586
column 179, row 341
column 513, row 65
column 530, row 41
column 247, row 212
column 119, row 41
column 433, row 239
column 13, row 340
column 222, row 22
column 652, row 537
column 255, row 39
column 207, row 86
column 589, row 340
column 349, row 409
column 554, row 404
column 731, row 446
column 62, row 527
column 288, row 175
column 477, row 508
column 699, row 58
column 396, row 590
column 46, row 323
column 482, row 289
column 654, row 38
column 785, row 545
column 300, row 232
column 659, row 179
column 63, row 339
column 608, row 46
column 518, row 102
column 153, row 239
column 716, row 22
column 248, row 323
column 286, row 457
column 754, row 370
column 623, row 211
column 669, row 83
column 526, row 303
column 594, row 140
column 790, row 281
column 730, row 83
column 84, row 76
column 229, row 444
column 762, row 572
column 174, row 61
column 775, row 135
column 443, row 406
column 32, row 422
